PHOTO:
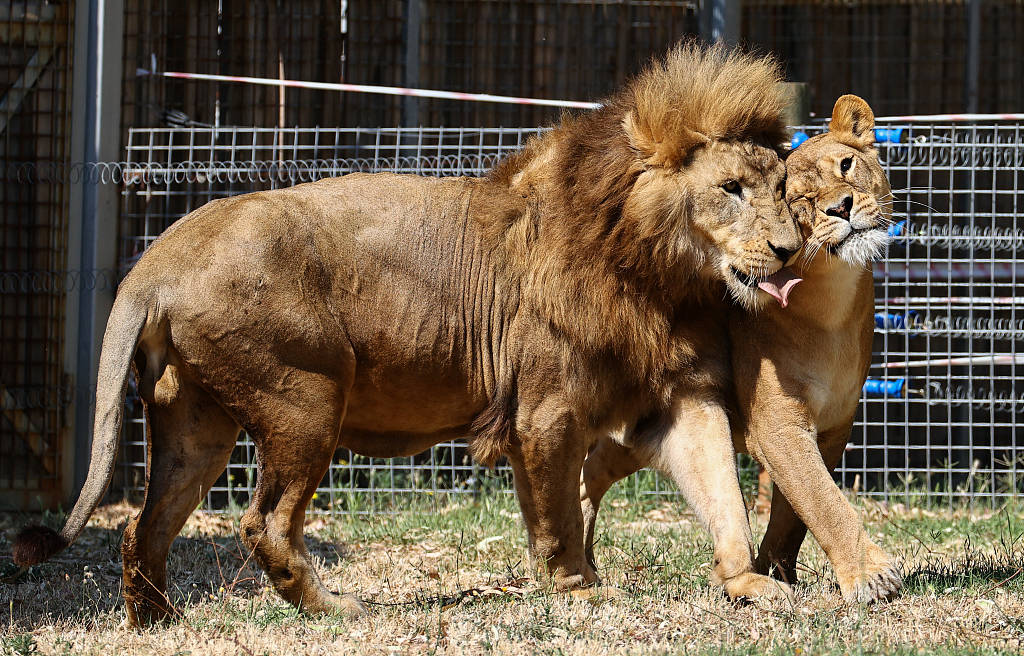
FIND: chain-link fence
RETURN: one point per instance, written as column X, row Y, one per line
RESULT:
column 942, row 415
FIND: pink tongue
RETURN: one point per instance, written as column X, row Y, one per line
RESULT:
column 779, row 284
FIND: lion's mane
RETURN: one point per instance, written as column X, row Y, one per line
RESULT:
column 606, row 265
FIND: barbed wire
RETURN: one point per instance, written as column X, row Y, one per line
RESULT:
column 985, row 148
column 58, row 282
column 291, row 171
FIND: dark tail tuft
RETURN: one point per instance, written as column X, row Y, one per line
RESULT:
column 35, row 544
column 493, row 431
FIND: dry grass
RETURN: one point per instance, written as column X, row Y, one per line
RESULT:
column 965, row 590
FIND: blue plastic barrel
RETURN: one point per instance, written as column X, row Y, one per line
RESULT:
column 897, row 229
column 895, row 320
column 888, row 135
column 885, row 387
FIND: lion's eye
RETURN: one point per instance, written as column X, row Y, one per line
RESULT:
column 845, row 165
column 732, row 187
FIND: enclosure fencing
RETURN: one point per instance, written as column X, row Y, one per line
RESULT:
column 942, row 414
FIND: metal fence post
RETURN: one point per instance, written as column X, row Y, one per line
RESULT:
column 92, row 233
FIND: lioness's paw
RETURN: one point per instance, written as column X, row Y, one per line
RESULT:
column 880, row 583
column 758, row 587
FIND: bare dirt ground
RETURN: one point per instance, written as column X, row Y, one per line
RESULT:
column 448, row 577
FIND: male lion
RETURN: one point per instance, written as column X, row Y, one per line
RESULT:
column 533, row 310
column 798, row 372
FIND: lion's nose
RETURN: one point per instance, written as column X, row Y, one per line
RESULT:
column 782, row 253
column 842, row 208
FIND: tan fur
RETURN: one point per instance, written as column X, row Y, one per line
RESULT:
column 535, row 309
column 798, row 371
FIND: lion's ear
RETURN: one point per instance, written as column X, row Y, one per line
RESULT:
column 852, row 118
column 657, row 148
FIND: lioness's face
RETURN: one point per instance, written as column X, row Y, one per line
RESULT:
column 838, row 191
column 737, row 194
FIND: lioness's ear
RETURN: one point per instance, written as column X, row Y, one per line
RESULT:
column 657, row 148
column 852, row 118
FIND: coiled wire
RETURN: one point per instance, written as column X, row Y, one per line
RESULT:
column 969, row 237
column 979, row 398
column 287, row 171
column 918, row 323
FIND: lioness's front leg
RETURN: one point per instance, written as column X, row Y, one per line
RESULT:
column 788, row 449
column 786, row 531
column 546, row 467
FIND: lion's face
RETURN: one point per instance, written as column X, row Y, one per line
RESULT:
column 837, row 189
column 738, row 218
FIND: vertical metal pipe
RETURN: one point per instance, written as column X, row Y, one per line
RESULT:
column 721, row 20
column 411, row 26
column 97, row 122
column 973, row 55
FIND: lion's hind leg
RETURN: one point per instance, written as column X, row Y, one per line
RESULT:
column 295, row 442
column 190, row 439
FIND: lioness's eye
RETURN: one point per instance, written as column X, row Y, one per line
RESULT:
column 732, row 187
column 845, row 165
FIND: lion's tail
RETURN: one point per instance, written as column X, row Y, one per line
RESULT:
column 35, row 544
column 494, row 429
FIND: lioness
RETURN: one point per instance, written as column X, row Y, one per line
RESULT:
column 534, row 310
column 798, row 371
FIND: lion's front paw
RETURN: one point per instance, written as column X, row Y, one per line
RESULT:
column 758, row 587
column 876, row 583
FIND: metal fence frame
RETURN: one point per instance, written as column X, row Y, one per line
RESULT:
column 949, row 288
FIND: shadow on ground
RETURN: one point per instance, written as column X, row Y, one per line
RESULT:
column 84, row 582
column 967, row 570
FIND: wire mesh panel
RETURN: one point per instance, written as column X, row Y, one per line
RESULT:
column 944, row 411
column 35, row 69
column 169, row 172
column 942, row 414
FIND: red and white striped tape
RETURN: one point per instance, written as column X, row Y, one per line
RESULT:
column 953, row 362
column 950, row 118
column 971, row 271
column 487, row 97
column 368, row 88
column 933, row 301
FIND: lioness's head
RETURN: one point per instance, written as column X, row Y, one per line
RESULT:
column 704, row 125
column 837, row 189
